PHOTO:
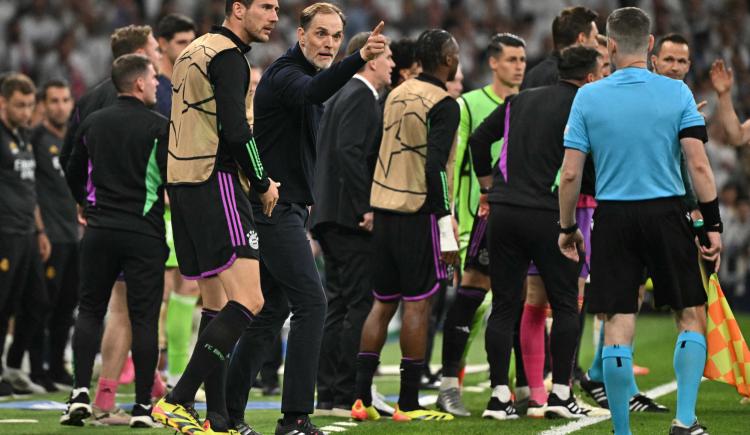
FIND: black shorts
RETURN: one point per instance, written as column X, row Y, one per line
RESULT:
column 213, row 225
column 629, row 236
column 406, row 257
column 477, row 255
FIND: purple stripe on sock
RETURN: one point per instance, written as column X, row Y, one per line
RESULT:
column 373, row 354
column 385, row 297
column 503, row 162
column 413, row 361
column 243, row 309
column 229, row 188
column 222, row 191
column 472, row 294
column 90, row 188
column 213, row 272
column 435, row 244
column 233, row 202
column 424, row 296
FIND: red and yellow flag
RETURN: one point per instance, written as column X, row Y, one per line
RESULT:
column 728, row 355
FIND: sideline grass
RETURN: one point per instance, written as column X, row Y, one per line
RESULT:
column 718, row 404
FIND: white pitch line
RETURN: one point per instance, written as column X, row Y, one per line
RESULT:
column 18, row 420
column 333, row 429
column 345, row 423
column 573, row 426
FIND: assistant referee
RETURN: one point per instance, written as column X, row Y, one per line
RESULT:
column 640, row 220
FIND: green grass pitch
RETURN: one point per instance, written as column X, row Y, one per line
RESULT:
column 719, row 406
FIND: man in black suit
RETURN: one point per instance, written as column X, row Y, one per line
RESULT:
column 342, row 221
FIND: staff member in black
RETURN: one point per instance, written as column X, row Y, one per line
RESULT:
column 342, row 221
column 22, row 236
column 288, row 107
column 522, row 226
column 115, row 173
column 59, row 211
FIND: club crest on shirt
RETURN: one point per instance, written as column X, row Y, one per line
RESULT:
column 4, row 265
column 51, row 272
column 54, row 150
column 252, row 239
column 13, row 148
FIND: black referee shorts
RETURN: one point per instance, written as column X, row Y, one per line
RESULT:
column 212, row 225
column 629, row 236
column 406, row 257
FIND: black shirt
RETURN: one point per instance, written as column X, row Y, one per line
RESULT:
column 102, row 95
column 442, row 123
column 229, row 74
column 288, row 107
column 118, row 171
column 57, row 205
column 544, row 73
column 17, row 167
column 534, row 149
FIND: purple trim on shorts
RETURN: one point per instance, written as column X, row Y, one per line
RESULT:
column 209, row 312
column 440, row 270
column 478, row 235
column 385, row 297
column 376, row 355
column 472, row 294
column 90, row 188
column 503, row 162
column 213, row 272
column 532, row 269
column 424, row 296
column 225, row 204
column 238, row 221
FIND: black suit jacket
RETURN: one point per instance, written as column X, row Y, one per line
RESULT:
column 348, row 143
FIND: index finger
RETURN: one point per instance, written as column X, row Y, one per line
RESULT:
column 379, row 28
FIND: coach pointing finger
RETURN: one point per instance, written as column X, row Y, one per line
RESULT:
column 375, row 45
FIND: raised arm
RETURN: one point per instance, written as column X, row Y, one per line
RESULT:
column 722, row 79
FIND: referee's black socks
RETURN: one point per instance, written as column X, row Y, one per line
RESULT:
column 214, row 345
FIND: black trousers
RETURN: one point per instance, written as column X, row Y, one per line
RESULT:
column 289, row 280
column 347, row 255
column 49, row 337
column 518, row 235
column 104, row 253
column 22, row 292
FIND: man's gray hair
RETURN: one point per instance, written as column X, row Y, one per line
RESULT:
column 630, row 28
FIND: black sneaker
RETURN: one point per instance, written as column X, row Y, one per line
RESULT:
column 6, row 391
column 79, row 408
column 141, row 417
column 45, row 380
column 245, row 429
column 595, row 390
column 641, row 403
column 558, row 408
column 695, row 429
column 500, row 410
column 301, row 426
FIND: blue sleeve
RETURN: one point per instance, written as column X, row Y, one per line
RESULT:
column 576, row 134
column 690, row 115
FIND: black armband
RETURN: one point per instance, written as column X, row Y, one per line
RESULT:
column 711, row 217
column 569, row 230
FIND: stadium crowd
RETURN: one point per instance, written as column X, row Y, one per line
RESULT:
column 416, row 161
